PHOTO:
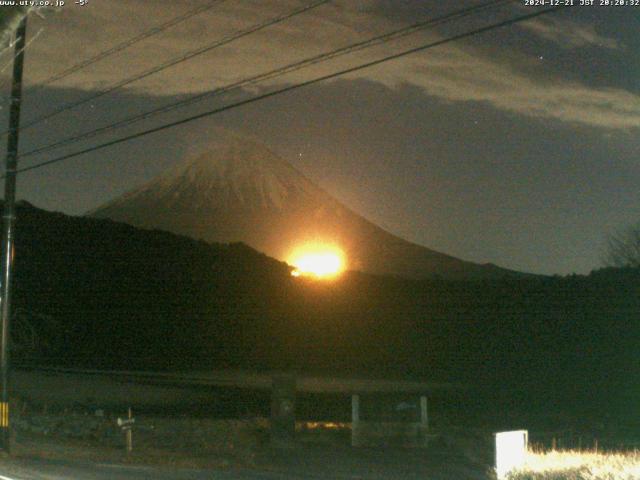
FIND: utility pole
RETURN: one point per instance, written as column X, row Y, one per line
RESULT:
column 9, row 217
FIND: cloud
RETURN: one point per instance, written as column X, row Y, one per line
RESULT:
column 455, row 72
column 458, row 75
column 569, row 34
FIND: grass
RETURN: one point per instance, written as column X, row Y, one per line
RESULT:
column 172, row 442
column 579, row 465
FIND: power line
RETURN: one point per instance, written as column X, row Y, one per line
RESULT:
column 123, row 45
column 380, row 39
column 294, row 87
column 9, row 48
column 132, row 41
column 176, row 61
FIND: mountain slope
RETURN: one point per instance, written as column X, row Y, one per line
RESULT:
column 241, row 191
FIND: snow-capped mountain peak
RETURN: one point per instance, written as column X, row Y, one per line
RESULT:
column 238, row 190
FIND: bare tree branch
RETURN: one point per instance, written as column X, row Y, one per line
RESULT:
column 623, row 248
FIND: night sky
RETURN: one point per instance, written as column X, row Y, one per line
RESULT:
column 517, row 147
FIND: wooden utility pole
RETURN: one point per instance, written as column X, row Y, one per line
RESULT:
column 9, row 217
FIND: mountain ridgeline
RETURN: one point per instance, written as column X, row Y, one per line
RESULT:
column 98, row 293
column 239, row 191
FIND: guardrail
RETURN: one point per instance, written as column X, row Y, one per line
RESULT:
column 254, row 380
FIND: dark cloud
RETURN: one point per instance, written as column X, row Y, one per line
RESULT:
column 504, row 74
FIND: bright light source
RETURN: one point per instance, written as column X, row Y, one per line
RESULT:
column 317, row 260
column 511, row 449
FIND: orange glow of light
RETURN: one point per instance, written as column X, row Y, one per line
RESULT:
column 317, row 260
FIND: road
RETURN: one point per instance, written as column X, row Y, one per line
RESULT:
column 59, row 470
column 374, row 464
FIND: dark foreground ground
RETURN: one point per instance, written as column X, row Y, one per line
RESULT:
column 65, row 427
column 311, row 462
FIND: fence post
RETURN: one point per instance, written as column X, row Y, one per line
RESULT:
column 355, row 420
column 130, row 433
column 424, row 414
column 424, row 420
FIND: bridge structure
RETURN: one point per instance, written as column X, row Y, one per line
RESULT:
column 380, row 408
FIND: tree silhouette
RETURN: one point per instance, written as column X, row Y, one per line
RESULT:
column 623, row 248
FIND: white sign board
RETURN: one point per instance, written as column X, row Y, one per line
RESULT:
column 511, row 450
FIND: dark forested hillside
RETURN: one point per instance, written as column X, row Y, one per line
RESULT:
column 103, row 294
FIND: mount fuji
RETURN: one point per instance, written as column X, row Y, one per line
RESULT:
column 240, row 191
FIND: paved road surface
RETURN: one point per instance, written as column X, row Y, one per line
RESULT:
column 57, row 470
column 360, row 464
